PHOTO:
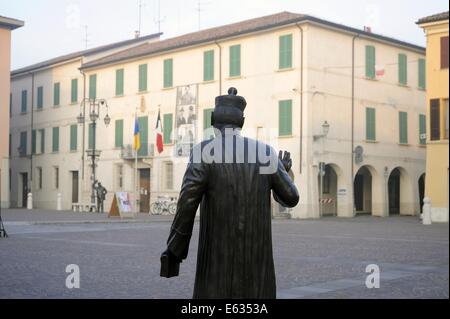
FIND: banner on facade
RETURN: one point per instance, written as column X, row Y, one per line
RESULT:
column 186, row 119
column 121, row 206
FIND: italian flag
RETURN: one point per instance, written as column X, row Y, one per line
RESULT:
column 159, row 134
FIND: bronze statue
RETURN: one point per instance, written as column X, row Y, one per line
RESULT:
column 231, row 177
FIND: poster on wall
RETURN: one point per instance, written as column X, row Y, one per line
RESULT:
column 186, row 119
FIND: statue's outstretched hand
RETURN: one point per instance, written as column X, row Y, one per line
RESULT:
column 286, row 160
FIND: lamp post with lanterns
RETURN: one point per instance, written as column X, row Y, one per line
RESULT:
column 94, row 115
column 325, row 130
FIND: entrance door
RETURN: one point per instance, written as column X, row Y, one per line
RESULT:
column 24, row 189
column 359, row 192
column 394, row 193
column 144, row 190
column 421, row 191
column 74, row 186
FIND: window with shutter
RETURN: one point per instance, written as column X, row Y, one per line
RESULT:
column 23, row 144
column 208, row 65
column 403, row 127
column 285, row 118
column 235, row 60
column 167, row 128
column 93, row 86
column 435, row 120
column 370, row 61
column 42, row 136
column 142, row 77
column 55, row 140
column 422, row 129
column 74, row 91
column 91, row 136
column 370, row 124
column 444, row 52
column 143, row 129
column 119, row 82
column 402, row 69
column 119, row 133
column 285, row 51
column 168, row 73
column 23, row 108
column 73, row 137
column 422, row 83
column 40, row 97
column 56, row 94
column 33, row 142
column 208, row 131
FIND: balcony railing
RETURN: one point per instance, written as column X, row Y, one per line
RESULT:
column 146, row 151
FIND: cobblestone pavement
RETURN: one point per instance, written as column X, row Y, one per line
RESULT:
column 324, row 258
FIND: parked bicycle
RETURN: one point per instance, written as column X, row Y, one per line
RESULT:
column 164, row 206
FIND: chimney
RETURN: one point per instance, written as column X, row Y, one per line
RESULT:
column 367, row 29
column 136, row 34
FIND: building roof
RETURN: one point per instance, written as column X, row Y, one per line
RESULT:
column 232, row 30
column 434, row 18
column 74, row 55
column 10, row 23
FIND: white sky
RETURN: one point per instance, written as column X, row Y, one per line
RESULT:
column 56, row 27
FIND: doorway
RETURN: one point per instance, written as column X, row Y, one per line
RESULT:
column 363, row 191
column 144, row 190
column 421, row 191
column 75, row 183
column 394, row 192
column 24, row 184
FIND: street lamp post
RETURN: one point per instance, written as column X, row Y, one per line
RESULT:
column 325, row 130
column 94, row 114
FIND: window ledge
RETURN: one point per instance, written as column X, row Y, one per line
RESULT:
column 39, row 109
column 168, row 88
column 404, row 144
column 406, row 86
column 285, row 69
column 372, row 141
column 142, row 92
column 73, row 103
column 23, row 113
column 285, row 136
column 118, row 96
column 56, row 106
column 371, row 79
column 422, row 89
column 237, row 77
column 209, row 81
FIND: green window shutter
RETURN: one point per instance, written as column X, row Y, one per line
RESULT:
column 143, row 129
column 370, row 124
column 402, row 69
column 422, row 83
column 142, row 77
column 285, row 118
column 56, row 94
column 91, row 136
column 235, row 60
column 74, row 91
column 208, row 65
column 285, row 51
column 208, row 131
column 33, row 141
column 119, row 133
column 55, row 140
column 119, row 82
column 23, row 108
column 93, row 86
column 370, row 61
column 42, row 140
column 403, row 127
column 23, row 143
column 168, row 73
column 422, row 129
column 167, row 126
column 40, row 97
column 73, row 137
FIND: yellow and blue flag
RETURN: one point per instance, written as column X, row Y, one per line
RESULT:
column 137, row 138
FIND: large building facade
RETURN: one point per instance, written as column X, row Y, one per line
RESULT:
column 6, row 26
column 301, row 76
column 437, row 180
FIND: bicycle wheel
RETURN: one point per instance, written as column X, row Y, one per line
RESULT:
column 172, row 208
column 155, row 209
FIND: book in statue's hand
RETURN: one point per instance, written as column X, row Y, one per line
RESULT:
column 170, row 267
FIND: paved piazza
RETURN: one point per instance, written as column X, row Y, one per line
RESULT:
column 324, row 258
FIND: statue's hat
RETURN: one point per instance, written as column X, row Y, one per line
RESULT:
column 229, row 109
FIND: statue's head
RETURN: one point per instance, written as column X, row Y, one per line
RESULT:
column 229, row 110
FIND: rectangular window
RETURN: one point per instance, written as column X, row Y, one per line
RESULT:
column 422, row 129
column 10, row 104
column 56, row 175
column 235, row 60
column 422, row 81
column 168, row 73
column 10, row 145
column 39, row 177
column 91, row 137
column 169, row 175
column 33, row 142
column 285, row 118
column 42, row 136
column 23, row 108
column 370, row 61
column 73, row 137
column 40, row 97
column 402, row 69
column 119, row 134
column 285, row 51
column 208, row 65
column 208, row 131
column 435, row 120
column 143, row 129
column 119, row 82
column 446, row 118
column 167, row 126
column 444, row 52
column 142, row 77
column 74, row 91
column 371, row 124
column 403, row 127
column 93, row 86
column 23, row 144
column 55, row 140
column 56, row 94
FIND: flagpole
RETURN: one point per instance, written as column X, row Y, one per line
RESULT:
column 136, row 211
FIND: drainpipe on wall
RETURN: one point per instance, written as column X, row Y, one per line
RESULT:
column 220, row 66
column 32, row 126
column 301, row 97
column 353, row 122
column 84, row 126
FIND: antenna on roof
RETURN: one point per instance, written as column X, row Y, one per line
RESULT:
column 86, row 40
column 199, row 10
column 140, row 19
column 159, row 20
